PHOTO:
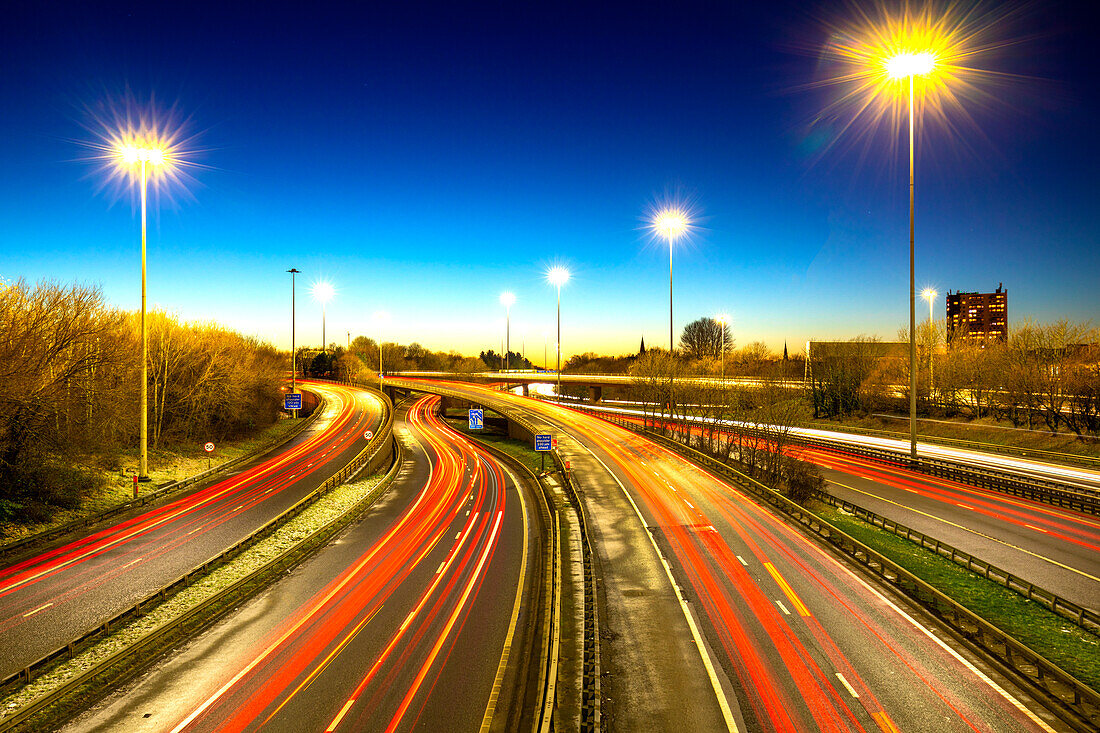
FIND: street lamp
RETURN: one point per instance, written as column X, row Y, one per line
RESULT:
column 723, row 319
column 909, row 64
column 930, row 295
column 293, row 348
column 323, row 291
column 557, row 276
column 380, row 318
column 670, row 223
column 506, row 300
column 143, row 155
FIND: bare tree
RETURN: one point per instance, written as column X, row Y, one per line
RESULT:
column 703, row 339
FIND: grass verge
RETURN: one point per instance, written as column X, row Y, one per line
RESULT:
column 165, row 466
column 1073, row 649
column 518, row 449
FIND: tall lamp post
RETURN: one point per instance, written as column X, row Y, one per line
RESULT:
column 670, row 223
column 930, row 295
column 323, row 291
column 506, row 300
column 293, row 347
column 723, row 319
column 380, row 317
column 144, row 156
column 909, row 65
column 558, row 276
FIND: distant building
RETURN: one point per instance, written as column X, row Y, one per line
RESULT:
column 977, row 317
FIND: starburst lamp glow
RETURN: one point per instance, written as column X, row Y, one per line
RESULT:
column 907, row 63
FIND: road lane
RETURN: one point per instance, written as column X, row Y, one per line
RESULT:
column 807, row 644
column 399, row 624
column 59, row 593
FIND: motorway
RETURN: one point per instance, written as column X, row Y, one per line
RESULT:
column 410, row 620
column 793, row 640
column 72, row 586
column 1055, row 548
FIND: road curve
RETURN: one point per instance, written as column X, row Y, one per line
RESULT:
column 1056, row 548
column 408, row 621
column 803, row 643
column 61, row 592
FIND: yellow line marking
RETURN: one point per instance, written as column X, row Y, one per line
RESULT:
column 787, row 591
column 343, row 711
column 1037, row 529
column 40, row 608
column 440, row 568
column 884, row 722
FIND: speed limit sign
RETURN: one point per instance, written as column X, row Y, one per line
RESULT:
column 209, row 447
column 369, row 434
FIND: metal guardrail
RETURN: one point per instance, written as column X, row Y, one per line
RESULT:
column 1073, row 696
column 548, row 671
column 590, row 665
column 162, row 490
column 590, row 683
column 1049, row 492
column 1086, row 618
column 368, row 457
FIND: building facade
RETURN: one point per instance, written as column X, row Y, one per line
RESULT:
column 977, row 317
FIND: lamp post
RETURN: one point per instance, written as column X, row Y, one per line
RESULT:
column 507, row 299
column 930, row 295
column 558, row 276
column 145, row 155
column 293, row 348
column 670, row 223
column 380, row 317
column 323, row 292
column 723, row 319
column 908, row 65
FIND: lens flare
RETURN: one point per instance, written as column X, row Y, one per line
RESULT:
column 947, row 50
column 557, row 275
column 127, row 134
column 322, row 291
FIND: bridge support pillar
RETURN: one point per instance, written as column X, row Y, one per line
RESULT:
column 595, row 393
column 526, row 389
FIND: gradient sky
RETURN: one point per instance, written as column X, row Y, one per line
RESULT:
column 425, row 157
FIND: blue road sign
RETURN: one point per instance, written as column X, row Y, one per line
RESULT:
column 542, row 442
column 292, row 401
column 477, row 418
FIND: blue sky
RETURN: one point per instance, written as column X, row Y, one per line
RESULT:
column 426, row 157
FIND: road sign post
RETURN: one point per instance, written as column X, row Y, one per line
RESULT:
column 209, row 448
column 543, row 442
column 477, row 418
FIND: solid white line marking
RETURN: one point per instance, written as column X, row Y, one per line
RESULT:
column 131, row 562
column 440, row 568
column 1037, row 529
column 712, row 674
column 40, row 608
column 840, row 677
column 742, row 561
column 780, row 604
column 688, row 502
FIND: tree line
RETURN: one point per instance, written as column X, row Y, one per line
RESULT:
column 1043, row 375
column 70, row 371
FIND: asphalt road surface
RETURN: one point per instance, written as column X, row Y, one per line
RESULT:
column 800, row 642
column 408, row 621
column 66, row 589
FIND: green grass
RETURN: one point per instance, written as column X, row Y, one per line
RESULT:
column 1073, row 649
column 518, row 449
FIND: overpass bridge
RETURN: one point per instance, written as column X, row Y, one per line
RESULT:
column 595, row 382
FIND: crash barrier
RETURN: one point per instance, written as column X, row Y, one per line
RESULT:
column 1048, row 492
column 1070, row 696
column 380, row 448
column 161, row 491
